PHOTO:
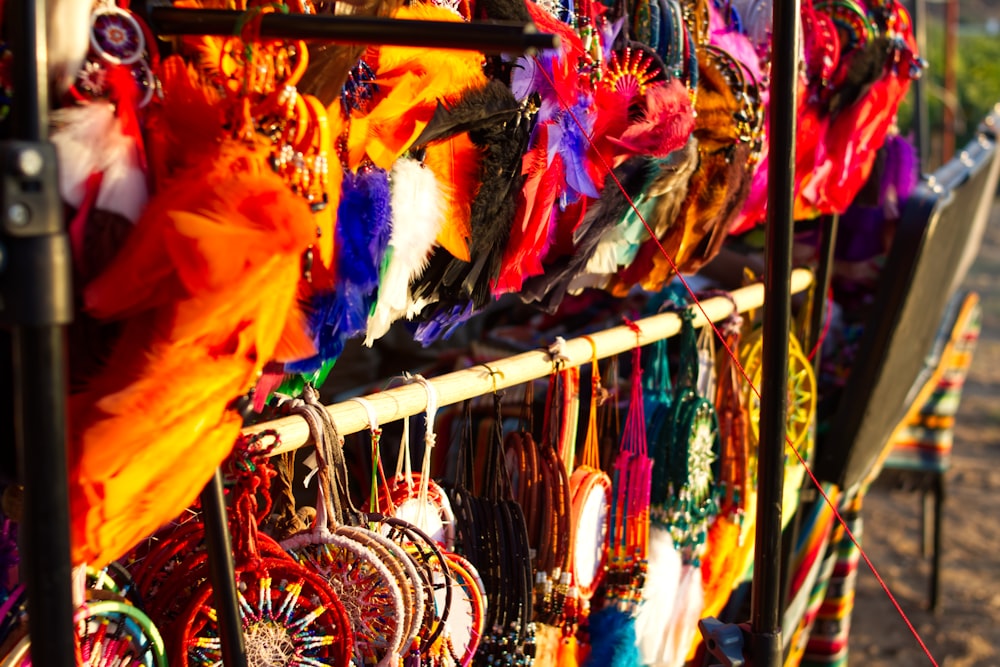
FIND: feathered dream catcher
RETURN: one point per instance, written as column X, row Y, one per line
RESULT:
column 417, row 512
column 289, row 615
column 280, row 198
column 356, row 564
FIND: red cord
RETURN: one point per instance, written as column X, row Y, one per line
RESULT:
column 566, row 108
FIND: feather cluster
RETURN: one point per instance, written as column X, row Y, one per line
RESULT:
column 206, row 280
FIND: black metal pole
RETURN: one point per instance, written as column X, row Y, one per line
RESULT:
column 485, row 36
column 817, row 321
column 221, row 572
column 766, row 603
column 36, row 304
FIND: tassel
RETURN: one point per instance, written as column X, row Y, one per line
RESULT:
column 417, row 215
column 569, row 652
column 548, row 640
column 612, row 639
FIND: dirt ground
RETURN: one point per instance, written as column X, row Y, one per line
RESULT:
column 966, row 631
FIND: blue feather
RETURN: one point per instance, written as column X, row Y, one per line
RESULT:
column 612, row 639
column 362, row 236
column 363, row 226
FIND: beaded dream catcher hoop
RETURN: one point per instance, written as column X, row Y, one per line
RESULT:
column 354, row 565
column 801, row 389
column 590, row 490
column 290, row 615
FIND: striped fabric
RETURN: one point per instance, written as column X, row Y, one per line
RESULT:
column 925, row 441
column 831, row 629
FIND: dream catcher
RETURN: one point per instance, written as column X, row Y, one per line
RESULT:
column 365, row 573
column 590, row 502
column 415, row 497
column 801, row 388
column 685, row 496
column 590, row 493
column 493, row 536
column 455, row 598
column 664, row 569
column 290, row 615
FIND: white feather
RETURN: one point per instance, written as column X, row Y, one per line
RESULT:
column 659, row 593
column 689, row 603
column 89, row 140
column 417, row 215
column 68, row 36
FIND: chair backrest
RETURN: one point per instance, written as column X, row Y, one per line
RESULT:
column 936, row 241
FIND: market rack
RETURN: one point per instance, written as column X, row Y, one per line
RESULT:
column 36, row 304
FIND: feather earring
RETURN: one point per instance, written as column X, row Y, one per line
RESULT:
column 417, row 212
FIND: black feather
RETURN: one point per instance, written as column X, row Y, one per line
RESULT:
column 864, row 68
column 459, row 288
column 477, row 109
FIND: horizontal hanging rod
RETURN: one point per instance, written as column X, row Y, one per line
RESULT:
column 411, row 399
column 485, row 36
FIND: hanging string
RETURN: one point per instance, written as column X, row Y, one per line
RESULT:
column 840, row 519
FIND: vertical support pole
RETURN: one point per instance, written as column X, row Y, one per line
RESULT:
column 36, row 303
column 221, row 573
column 921, row 123
column 766, row 604
column 951, row 103
column 938, row 544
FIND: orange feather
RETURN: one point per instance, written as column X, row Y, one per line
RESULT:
column 455, row 163
column 215, row 262
column 411, row 82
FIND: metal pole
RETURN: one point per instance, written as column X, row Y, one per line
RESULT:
column 36, row 304
column 485, row 36
column 222, row 574
column 766, row 603
column 950, row 79
column 921, row 123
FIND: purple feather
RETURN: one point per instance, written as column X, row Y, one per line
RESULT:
column 900, row 176
column 571, row 143
column 443, row 324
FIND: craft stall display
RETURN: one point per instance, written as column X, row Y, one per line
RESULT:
column 242, row 206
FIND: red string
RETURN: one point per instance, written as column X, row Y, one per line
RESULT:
column 827, row 317
column 566, row 108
